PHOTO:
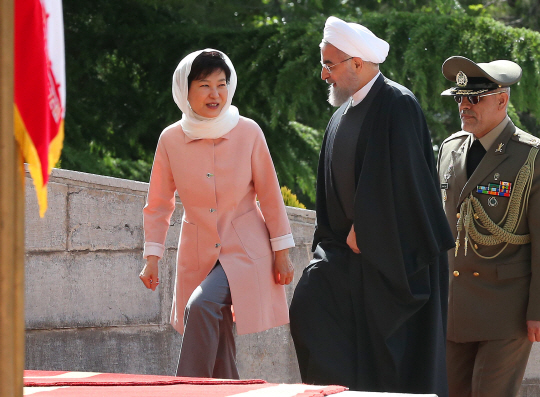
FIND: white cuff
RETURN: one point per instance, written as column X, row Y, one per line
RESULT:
column 156, row 249
column 282, row 242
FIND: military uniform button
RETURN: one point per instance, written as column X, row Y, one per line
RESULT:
column 475, row 247
column 476, row 274
column 476, row 216
column 456, row 273
column 458, row 215
column 218, row 245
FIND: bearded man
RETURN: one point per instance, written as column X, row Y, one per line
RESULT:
column 369, row 311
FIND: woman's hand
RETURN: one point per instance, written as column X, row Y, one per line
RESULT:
column 149, row 274
column 283, row 267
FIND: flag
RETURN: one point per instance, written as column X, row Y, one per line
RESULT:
column 40, row 88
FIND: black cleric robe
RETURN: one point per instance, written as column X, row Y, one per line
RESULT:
column 376, row 321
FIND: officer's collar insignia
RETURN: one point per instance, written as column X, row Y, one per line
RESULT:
column 461, row 79
column 499, row 149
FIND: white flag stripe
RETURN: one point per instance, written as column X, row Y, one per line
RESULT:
column 278, row 391
column 67, row 375
column 55, row 45
column 44, row 390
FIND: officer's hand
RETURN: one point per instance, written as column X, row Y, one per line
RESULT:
column 149, row 274
column 351, row 241
column 533, row 328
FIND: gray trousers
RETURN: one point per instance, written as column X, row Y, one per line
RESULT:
column 492, row 368
column 208, row 349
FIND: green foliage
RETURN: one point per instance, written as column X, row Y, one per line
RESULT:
column 120, row 57
column 418, row 47
column 119, row 81
column 290, row 199
column 517, row 13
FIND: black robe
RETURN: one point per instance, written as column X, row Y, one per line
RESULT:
column 376, row 321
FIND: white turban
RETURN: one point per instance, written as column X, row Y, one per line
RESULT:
column 355, row 40
column 195, row 126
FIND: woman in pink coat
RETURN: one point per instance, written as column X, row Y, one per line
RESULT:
column 231, row 252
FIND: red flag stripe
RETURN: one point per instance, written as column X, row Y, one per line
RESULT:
column 38, row 105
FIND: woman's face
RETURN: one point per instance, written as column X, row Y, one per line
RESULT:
column 208, row 96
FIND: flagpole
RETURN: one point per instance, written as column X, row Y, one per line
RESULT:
column 11, row 222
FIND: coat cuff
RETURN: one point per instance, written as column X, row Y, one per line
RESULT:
column 156, row 249
column 282, row 242
column 533, row 313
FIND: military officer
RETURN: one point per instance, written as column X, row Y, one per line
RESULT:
column 490, row 180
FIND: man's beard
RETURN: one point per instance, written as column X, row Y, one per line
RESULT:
column 338, row 95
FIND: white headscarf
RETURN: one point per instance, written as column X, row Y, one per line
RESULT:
column 195, row 126
column 355, row 40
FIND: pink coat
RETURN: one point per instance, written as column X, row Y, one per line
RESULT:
column 218, row 181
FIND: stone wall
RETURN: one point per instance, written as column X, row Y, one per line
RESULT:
column 86, row 309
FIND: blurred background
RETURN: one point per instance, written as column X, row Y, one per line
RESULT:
column 120, row 57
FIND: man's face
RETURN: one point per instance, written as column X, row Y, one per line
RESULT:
column 481, row 118
column 342, row 76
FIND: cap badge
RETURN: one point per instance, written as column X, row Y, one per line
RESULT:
column 461, row 79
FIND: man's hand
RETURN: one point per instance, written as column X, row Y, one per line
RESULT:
column 533, row 330
column 283, row 268
column 351, row 241
column 149, row 274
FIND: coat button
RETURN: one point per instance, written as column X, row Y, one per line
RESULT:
column 213, row 210
column 456, row 273
column 209, row 175
column 476, row 274
column 218, row 245
column 458, row 215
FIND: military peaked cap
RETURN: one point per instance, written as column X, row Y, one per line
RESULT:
column 476, row 78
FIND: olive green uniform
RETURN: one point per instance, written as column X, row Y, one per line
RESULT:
column 494, row 289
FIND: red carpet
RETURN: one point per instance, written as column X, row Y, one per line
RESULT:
column 90, row 384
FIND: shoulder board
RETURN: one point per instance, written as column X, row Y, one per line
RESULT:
column 526, row 138
column 460, row 134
